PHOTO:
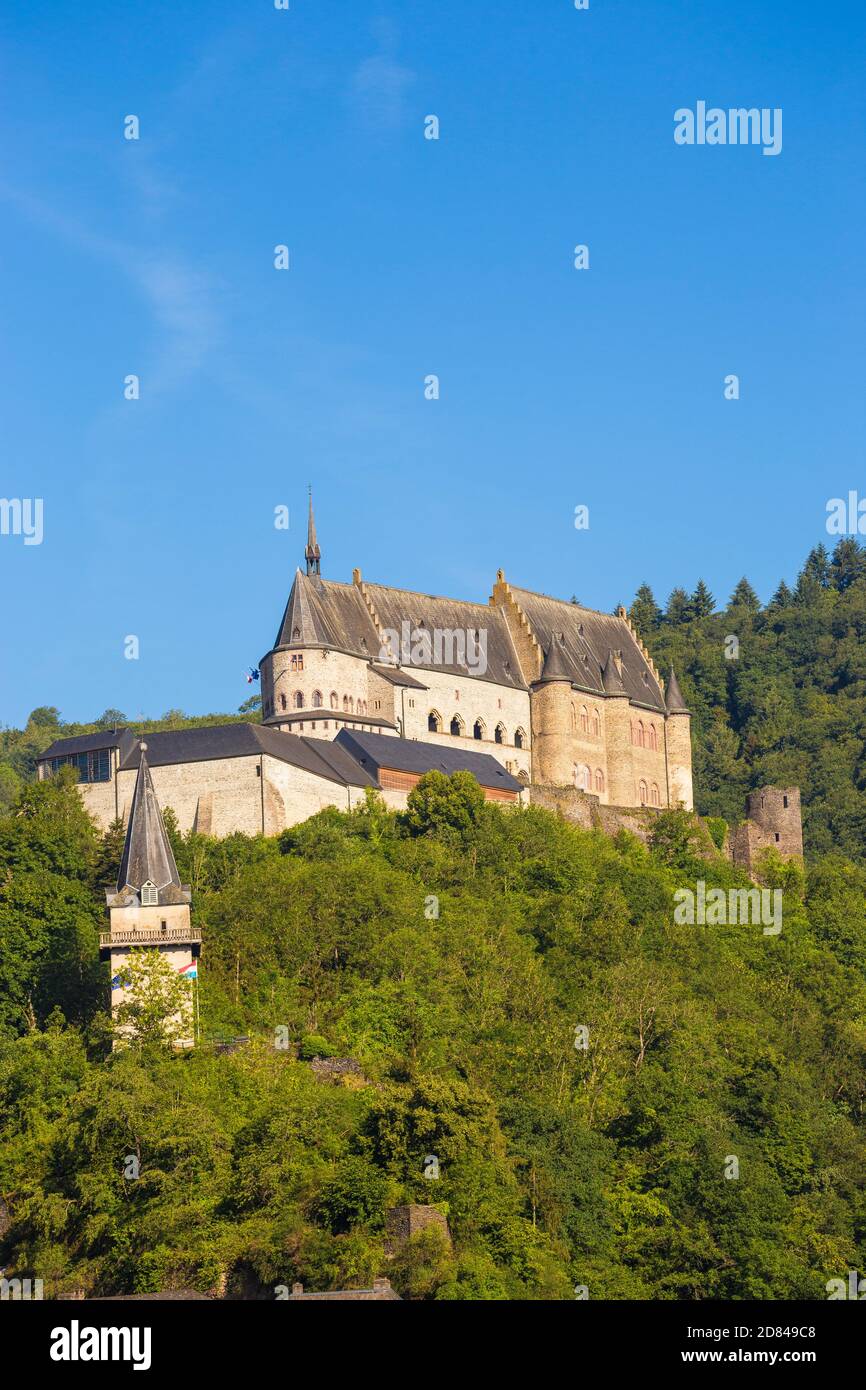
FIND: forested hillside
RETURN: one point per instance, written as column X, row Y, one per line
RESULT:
column 454, row 952
column 783, row 704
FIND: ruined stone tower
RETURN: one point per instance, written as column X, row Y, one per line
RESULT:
column 773, row 821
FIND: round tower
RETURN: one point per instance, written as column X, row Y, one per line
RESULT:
column 678, row 746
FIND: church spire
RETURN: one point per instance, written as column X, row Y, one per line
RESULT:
column 313, row 553
column 147, row 856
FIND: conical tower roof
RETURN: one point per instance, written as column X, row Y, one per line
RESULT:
column 555, row 666
column 610, row 676
column 147, row 855
column 674, row 702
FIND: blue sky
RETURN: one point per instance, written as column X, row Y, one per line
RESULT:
column 409, row 257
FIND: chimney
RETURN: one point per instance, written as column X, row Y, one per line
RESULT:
column 381, row 1285
column 297, row 1288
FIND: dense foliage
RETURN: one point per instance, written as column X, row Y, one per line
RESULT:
column 454, row 952
column 785, row 702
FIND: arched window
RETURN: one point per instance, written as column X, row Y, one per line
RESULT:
column 652, row 741
column 499, row 734
column 582, row 777
column 599, row 780
column 596, row 724
column 519, row 738
column 434, row 722
column 478, row 729
column 456, row 726
column 641, row 791
column 298, row 699
column 640, row 734
column 573, row 717
column 654, row 795
column 317, row 699
column 335, row 700
column 523, row 776
column 584, row 720
column 351, row 704
column 282, row 701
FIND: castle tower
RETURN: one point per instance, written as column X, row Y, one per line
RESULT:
column 551, row 715
column 773, row 821
column 617, row 719
column 678, row 746
column 312, row 552
column 150, row 906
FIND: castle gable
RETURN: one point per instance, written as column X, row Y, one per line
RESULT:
column 584, row 638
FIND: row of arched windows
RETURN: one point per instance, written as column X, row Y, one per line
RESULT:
column 584, row 780
column 350, row 705
column 644, row 735
column 648, row 796
column 587, row 721
column 457, row 727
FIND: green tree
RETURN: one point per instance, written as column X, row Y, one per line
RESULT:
column 156, row 1005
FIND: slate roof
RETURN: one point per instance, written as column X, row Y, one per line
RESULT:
column 375, row 751
column 89, row 743
column 674, row 702
column 398, row 675
column 147, row 855
column 396, row 606
column 323, row 613
column 215, row 741
column 586, row 638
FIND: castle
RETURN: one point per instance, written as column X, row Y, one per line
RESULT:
column 372, row 686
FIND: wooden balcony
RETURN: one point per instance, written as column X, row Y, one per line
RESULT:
column 151, row 936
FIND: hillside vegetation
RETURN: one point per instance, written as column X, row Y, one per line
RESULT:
column 454, row 952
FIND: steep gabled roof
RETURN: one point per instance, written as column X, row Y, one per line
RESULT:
column 394, row 607
column 586, row 638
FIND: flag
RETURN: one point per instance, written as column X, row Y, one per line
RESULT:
column 115, row 983
column 190, row 972
column 252, row 675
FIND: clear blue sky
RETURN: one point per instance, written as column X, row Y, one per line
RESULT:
column 410, row 257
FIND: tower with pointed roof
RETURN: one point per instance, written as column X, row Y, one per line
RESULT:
column 312, row 552
column 149, row 908
column 678, row 745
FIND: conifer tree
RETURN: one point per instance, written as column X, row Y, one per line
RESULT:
column 701, row 603
column 744, row 596
column 677, row 610
column 645, row 613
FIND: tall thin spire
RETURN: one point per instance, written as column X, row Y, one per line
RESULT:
column 147, row 856
column 312, row 552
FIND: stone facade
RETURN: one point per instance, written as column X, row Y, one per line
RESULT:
column 774, row 821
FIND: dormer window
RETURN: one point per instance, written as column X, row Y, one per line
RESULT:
column 149, row 894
